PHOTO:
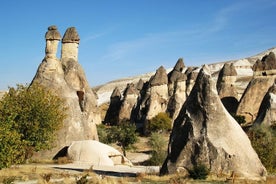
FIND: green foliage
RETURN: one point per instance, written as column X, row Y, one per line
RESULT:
column 239, row 118
column 11, row 147
column 32, row 115
column 161, row 122
column 199, row 171
column 102, row 133
column 123, row 134
column 263, row 140
column 158, row 144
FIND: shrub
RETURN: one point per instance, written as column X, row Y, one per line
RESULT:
column 239, row 118
column 263, row 140
column 33, row 114
column 158, row 144
column 161, row 122
column 123, row 134
column 199, row 171
column 102, row 133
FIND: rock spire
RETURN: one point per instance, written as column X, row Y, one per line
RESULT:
column 205, row 133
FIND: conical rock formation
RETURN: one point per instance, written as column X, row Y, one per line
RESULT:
column 112, row 114
column 177, row 88
column 128, row 102
column 205, row 133
column 67, row 78
column 226, row 86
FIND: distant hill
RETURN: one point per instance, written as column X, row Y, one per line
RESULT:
column 243, row 67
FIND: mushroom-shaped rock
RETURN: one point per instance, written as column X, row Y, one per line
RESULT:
column 71, row 36
column 52, row 33
column 128, row 102
column 52, row 37
column 70, row 44
column 68, row 80
column 226, row 86
column 205, row 133
column 95, row 153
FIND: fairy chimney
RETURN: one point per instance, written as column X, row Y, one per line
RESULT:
column 52, row 37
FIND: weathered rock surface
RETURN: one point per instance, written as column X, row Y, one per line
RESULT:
column 129, row 100
column 112, row 114
column 177, row 88
column 191, row 74
column 95, row 153
column 262, row 80
column 267, row 110
column 205, row 133
column 226, row 86
column 268, row 62
column 68, row 80
column 158, row 90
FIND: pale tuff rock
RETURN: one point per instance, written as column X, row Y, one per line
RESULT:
column 96, row 154
column 68, row 80
column 191, row 74
column 226, row 86
column 177, row 88
column 70, row 44
column 267, row 112
column 128, row 102
column 112, row 114
column 205, row 133
column 262, row 80
column 158, row 93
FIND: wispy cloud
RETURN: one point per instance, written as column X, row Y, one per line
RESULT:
column 94, row 36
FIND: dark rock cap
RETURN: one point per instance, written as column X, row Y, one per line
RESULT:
column 228, row 69
column 52, row 33
column 140, row 84
column 116, row 93
column 159, row 78
column 130, row 89
column 268, row 62
column 176, row 74
column 179, row 66
column 71, row 36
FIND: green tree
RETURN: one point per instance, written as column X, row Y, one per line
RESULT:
column 158, row 144
column 161, row 122
column 11, row 147
column 35, row 113
column 263, row 140
column 123, row 134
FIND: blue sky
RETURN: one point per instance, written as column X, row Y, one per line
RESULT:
column 128, row 37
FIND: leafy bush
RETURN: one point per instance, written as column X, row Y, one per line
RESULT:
column 161, row 122
column 32, row 115
column 11, row 147
column 199, row 171
column 158, row 144
column 123, row 134
column 263, row 140
column 103, row 133
column 239, row 118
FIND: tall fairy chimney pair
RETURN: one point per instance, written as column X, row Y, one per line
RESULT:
column 70, row 43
